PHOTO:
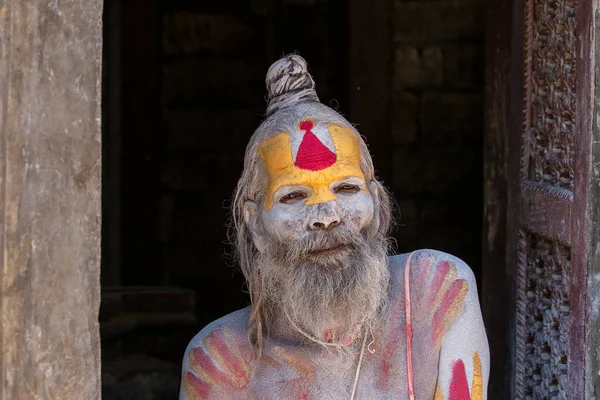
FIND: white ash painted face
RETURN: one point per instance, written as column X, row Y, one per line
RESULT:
column 314, row 182
column 290, row 218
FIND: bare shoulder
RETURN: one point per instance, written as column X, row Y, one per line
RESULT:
column 216, row 361
column 426, row 264
column 442, row 290
column 234, row 323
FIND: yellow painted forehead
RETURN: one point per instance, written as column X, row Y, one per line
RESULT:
column 314, row 156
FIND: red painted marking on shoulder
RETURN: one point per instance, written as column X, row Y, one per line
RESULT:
column 201, row 389
column 312, row 154
column 203, row 364
column 217, row 345
column 448, row 309
column 441, row 271
column 459, row 387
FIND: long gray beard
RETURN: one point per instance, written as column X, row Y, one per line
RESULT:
column 329, row 299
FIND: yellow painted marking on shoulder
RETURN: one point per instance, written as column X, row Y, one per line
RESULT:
column 448, row 280
column 276, row 153
column 189, row 389
column 477, row 386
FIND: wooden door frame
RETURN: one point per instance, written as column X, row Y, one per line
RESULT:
column 504, row 105
column 584, row 381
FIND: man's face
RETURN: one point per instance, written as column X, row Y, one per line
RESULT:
column 320, row 263
column 315, row 183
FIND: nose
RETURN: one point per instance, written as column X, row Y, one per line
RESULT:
column 324, row 218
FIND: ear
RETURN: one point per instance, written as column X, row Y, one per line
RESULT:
column 251, row 216
column 374, row 189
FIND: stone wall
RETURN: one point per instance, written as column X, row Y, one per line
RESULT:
column 437, row 125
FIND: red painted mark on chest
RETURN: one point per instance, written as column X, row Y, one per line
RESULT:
column 312, row 154
column 459, row 387
column 391, row 344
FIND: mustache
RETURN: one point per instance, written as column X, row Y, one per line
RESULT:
column 323, row 240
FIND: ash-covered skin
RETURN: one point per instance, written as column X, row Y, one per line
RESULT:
column 290, row 220
column 218, row 362
column 280, row 238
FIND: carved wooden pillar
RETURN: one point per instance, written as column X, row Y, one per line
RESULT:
column 50, row 199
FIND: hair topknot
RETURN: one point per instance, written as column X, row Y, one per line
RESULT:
column 289, row 83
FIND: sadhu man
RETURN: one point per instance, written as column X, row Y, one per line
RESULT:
column 333, row 316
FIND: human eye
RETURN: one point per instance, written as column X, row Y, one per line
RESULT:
column 293, row 197
column 347, row 188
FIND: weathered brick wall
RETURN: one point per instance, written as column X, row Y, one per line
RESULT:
column 437, row 124
column 215, row 57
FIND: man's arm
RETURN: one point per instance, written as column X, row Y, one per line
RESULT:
column 463, row 368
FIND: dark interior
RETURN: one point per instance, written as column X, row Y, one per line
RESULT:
column 183, row 91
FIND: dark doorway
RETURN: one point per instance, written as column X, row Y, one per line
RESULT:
column 184, row 91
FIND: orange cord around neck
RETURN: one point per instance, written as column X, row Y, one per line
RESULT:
column 411, row 393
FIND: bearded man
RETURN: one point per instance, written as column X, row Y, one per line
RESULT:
column 332, row 316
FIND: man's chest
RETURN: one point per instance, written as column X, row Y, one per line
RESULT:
column 221, row 368
column 382, row 373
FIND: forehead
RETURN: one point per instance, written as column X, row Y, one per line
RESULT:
column 312, row 154
column 287, row 120
column 310, row 147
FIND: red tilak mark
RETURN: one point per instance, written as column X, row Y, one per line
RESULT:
column 459, row 388
column 201, row 388
column 312, row 154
